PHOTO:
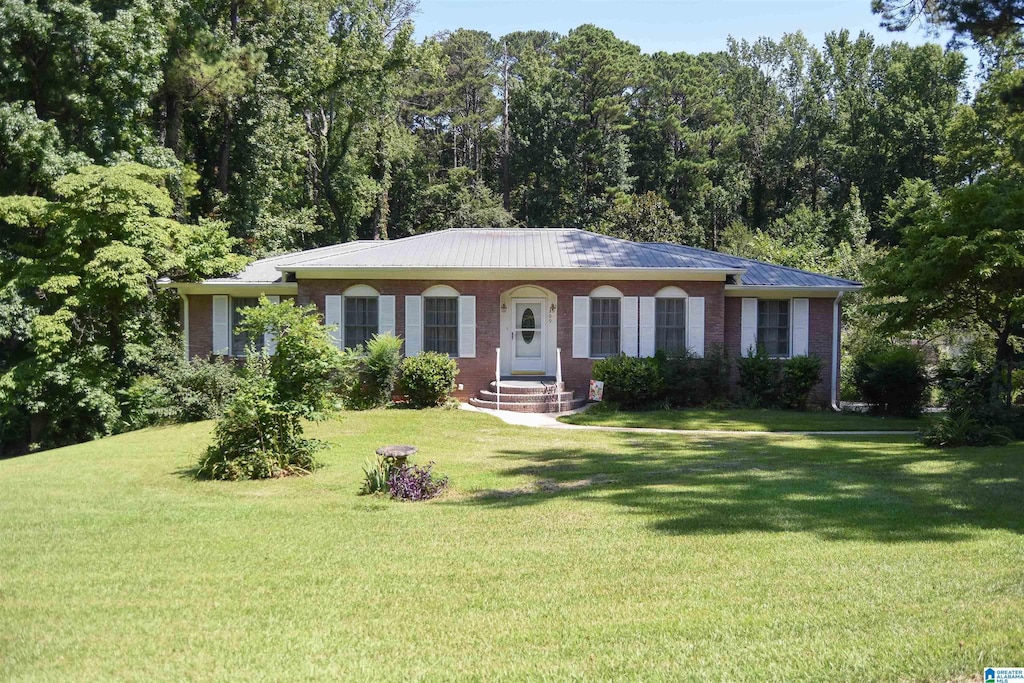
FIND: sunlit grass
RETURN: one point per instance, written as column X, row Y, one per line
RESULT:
column 606, row 415
column 558, row 554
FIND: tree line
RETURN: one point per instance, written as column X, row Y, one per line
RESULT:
column 146, row 138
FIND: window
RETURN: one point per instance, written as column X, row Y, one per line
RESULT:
column 441, row 325
column 670, row 326
column 773, row 327
column 239, row 339
column 361, row 315
column 604, row 327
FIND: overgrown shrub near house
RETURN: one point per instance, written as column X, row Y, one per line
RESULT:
column 760, row 380
column 631, row 382
column 260, row 434
column 800, row 375
column 257, row 437
column 176, row 390
column 372, row 372
column 976, row 414
column 690, row 381
column 428, row 379
column 892, row 379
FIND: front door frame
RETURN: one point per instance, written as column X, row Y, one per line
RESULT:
column 547, row 321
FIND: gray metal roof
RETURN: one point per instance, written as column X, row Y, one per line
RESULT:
column 763, row 274
column 526, row 248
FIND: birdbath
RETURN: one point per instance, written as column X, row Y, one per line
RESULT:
column 396, row 455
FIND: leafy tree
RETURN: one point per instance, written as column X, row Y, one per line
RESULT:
column 82, row 269
column 961, row 260
column 647, row 218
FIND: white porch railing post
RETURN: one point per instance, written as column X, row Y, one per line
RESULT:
column 497, row 376
column 558, row 376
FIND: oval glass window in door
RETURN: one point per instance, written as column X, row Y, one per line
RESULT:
column 527, row 325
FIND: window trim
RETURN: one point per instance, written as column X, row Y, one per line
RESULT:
column 789, row 327
column 592, row 298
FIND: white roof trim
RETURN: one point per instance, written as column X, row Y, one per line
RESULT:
column 760, row 290
column 450, row 273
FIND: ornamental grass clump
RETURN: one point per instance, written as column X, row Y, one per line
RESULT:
column 412, row 482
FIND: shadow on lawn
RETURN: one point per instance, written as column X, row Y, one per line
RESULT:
column 896, row 491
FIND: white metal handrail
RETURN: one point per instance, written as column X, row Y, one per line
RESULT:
column 497, row 376
column 558, row 376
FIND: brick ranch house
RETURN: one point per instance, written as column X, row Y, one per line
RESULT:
column 542, row 302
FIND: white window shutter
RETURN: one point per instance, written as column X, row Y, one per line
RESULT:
column 695, row 325
column 647, row 326
column 801, row 326
column 581, row 327
column 386, row 314
column 630, row 325
column 221, row 325
column 413, row 325
column 748, row 327
column 270, row 338
column 467, row 327
column 332, row 317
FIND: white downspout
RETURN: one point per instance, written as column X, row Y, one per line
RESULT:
column 185, row 325
column 836, row 349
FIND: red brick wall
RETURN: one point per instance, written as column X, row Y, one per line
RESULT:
column 476, row 373
column 820, row 341
column 722, row 321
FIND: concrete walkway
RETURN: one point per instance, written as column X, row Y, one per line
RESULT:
column 550, row 421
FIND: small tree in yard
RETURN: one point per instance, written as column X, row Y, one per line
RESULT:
column 260, row 433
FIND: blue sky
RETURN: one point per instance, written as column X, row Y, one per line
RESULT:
column 669, row 25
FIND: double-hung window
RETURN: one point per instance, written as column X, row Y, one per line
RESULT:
column 361, row 318
column 441, row 325
column 605, row 335
column 773, row 329
column 670, row 326
column 240, row 339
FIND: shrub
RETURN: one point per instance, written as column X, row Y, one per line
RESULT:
column 256, row 438
column 373, row 372
column 691, row 381
column 411, row 482
column 891, row 379
column 962, row 428
column 376, row 474
column 800, row 375
column 630, row 382
column 760, row 380
column 260, row 433
column 428, row 379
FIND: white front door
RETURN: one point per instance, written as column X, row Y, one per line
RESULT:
column 528, row 337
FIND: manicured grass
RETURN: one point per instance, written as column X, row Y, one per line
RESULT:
column 742, row 420
column 558, row 555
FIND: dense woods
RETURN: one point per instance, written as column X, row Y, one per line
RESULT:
column 192, row 131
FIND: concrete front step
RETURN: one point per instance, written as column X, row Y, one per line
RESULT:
column 535, row 407
column 564, row 396
column 524, row 387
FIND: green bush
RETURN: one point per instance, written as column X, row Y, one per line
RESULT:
column 630, row 382
column 760, row 380
column 376, row 473
column 963, row 428
column 372, row 372
column 892, row 380
column 690, row 381
column 428, row 379
column 260, row 433
column 256, row 438
column 800, row 375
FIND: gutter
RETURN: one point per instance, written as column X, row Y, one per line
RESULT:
column 836, row 348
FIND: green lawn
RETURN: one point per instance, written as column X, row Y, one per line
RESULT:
column 558, row 555
column 741, row 420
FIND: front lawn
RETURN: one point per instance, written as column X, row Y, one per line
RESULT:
column 740, row 420
column 557, row 555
